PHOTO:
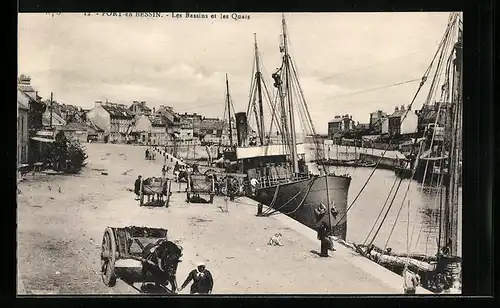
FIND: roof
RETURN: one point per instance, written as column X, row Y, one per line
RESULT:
column 398, row 114
column 94, row 126
column 78, row 126
column 55, row 118
column 68, row 108
column 140, row 105
column 158, row 121
column 118, row 111
column 211, row 124
column 23, row 100
column 336, row 120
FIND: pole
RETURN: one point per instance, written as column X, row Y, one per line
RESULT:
column 229, row 113
column 293, row 146
column 51, row 107
column 259, row 92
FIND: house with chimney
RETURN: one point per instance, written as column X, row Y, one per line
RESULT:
column 340, row 124
column 116, row 120
column 188, row 129
column 402, row 121
column 211, row 130
column 139, row 108
column 377, row 119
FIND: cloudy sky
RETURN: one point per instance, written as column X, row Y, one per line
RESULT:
column 182, row 62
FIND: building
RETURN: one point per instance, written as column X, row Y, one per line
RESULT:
column 77, row 131
column 433, row 114
column 35, row 114
column 403, row 121
column 22, row 128
column 116, row 120
column 52, row 118
column 376, row 120
column 189, row 123
column 210, row 130
column 151, row 130
column 95, row 133
column 139, row 108
column 340, row 123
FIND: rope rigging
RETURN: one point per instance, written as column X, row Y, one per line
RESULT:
column 423, row 80
column 444, row 94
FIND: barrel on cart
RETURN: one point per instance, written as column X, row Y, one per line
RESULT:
column 147, row 251
column 156, row 190
column 200, row 187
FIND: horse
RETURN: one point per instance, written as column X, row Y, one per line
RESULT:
column 161, row 259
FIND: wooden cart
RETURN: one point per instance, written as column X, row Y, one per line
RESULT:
column 139, row 245
column 159, row 188
column 200, row 185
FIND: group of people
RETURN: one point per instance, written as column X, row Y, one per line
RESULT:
column 149, row 154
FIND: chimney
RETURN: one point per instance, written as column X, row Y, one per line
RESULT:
column 350, row 117
column 396, row 109
column 153, row 109
column 98, row 103
column 143, row 103
column 402, row 107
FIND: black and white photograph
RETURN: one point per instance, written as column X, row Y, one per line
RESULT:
column 203, row 154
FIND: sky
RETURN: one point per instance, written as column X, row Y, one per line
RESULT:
column 182, row 62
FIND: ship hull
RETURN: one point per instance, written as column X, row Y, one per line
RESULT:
column 300, row 199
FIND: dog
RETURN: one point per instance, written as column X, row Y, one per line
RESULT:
column 275, row 240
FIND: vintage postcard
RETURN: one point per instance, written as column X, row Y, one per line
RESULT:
column 239, row 153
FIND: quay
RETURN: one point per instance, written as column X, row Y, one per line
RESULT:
column 63, row 257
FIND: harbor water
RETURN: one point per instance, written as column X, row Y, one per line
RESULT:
column 424, row 212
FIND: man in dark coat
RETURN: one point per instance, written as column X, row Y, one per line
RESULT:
column 323, row 237
column 137, row 187
column 203, row 282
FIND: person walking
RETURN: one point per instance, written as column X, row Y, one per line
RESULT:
column 137, row 187
column 202, row 280
column 163, row 171
column 323, row 237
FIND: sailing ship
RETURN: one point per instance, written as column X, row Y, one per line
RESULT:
column 440, row 272
column 285, row 183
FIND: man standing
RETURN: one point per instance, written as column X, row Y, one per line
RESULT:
column 137, row 187
column 202, row 280
column 410, row 281
column 323, row 237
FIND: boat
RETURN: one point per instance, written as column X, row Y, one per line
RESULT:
column 285, row 183
column 440, row 272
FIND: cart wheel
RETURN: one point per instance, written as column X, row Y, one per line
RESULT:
column 108, row 258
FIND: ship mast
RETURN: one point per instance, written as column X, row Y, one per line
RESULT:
column 258, row 77
column 228, row 99
column 452, row 183
column 286, row 58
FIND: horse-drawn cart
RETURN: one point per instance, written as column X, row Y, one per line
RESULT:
column 198, row 185
column 157, row 191
column 140, row 254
